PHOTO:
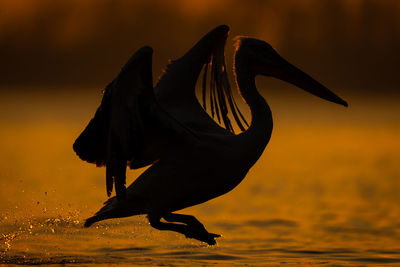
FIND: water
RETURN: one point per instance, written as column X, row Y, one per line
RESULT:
column 325, row 192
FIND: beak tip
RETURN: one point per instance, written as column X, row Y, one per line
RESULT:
column 340, row 101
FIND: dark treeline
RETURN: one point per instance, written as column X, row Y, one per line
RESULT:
column 348, row 43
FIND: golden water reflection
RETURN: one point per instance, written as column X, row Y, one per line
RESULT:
column 324, row 191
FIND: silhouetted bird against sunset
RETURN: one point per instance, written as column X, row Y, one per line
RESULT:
column 193, row 158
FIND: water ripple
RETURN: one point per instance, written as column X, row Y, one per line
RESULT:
column 271, row 223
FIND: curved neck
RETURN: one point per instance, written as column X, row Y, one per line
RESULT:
column 259, row 132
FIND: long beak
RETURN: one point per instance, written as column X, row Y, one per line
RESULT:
column 291, row 74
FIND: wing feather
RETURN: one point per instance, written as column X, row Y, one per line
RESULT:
column 175, row 90
column 223, row 90
column 129, row 128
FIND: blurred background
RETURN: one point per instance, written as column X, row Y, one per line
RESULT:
column 327, row 183
column 347, row 43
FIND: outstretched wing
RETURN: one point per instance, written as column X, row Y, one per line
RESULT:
column 126, row 123
column 175, row 90
column 115, row 133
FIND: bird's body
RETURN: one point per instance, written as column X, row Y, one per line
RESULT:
column 193, row 158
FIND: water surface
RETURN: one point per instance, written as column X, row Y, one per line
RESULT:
column 325, row 192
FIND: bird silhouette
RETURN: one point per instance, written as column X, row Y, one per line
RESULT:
column 193, row 158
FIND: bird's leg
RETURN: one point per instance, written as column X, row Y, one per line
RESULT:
column 195, row 226
column 182, row 218
column 155, row 222
column 186, row 230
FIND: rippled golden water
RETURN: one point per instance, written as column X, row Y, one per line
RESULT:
column 325, row 192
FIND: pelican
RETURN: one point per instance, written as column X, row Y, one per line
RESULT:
column 193, row 158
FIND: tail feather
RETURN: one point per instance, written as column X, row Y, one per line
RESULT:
column 91, row 220
column 106, row 212
column 114, row 208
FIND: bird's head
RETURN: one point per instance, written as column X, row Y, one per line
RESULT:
column 262, row 59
